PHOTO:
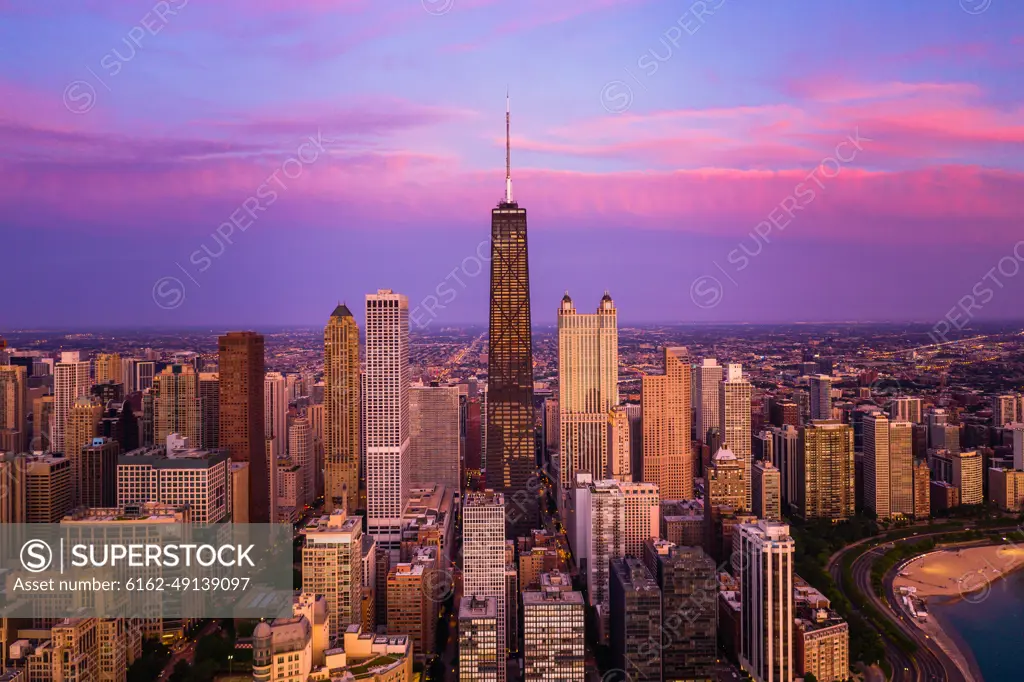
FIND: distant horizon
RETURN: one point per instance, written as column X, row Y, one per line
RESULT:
column 483, row 326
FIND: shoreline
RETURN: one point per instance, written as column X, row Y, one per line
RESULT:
column 948, row 628
column 977, row 568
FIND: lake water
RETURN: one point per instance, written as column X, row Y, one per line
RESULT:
column 993, row 628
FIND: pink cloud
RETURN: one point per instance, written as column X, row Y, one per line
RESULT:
column 381, row 189
column 914, row 124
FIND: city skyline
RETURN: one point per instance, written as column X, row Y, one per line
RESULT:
column 254, row 290
column 684, row 180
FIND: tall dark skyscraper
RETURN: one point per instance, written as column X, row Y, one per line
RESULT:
column 510, row 455
column 241, row 415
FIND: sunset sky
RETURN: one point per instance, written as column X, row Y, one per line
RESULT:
column 651, row 143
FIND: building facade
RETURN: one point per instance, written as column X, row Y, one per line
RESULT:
column 510, row 445
column 588, row 374
column 825, row 471
column 241, row 357
column 332, row 564
column 766, row 597
column 341, row 411
column 177, row 404
column 707, row 375
column 767, row 491
column 635, row 634
column 435, row 441
column 734, row 394
column 275, row 413
column 70, row 382
column 387, row 415
column 665, row 423
column 480, row 658
column 689, row 607
column 554, row 646
column 483, row 565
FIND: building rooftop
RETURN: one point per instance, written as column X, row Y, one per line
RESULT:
column 534, row 597
column 341, row 311
column 724, row 454
column 476, row 607
column 159, row 458
column 812, row 619
column 335, row 523
column 487, row 498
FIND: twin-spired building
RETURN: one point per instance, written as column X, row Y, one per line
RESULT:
column 588, row 387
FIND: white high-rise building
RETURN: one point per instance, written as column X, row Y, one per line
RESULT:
column 734, row 394
column 766, row 600
column 300, row 449
column 128, row 366
column 275, row 413
column 876, row 464
column 434, row 441
column 483, row 565
column 70, row 382
column 610, row 520
column 821, row 396
column 386, row 406
column 709, row 376
column 588, row 386
column 642, row 515
column 968, row 476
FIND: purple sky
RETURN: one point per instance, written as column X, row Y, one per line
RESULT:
column 713, row 161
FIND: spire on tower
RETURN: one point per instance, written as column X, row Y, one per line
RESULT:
column 508, row 149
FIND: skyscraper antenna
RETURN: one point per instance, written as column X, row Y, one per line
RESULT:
column 508, row 149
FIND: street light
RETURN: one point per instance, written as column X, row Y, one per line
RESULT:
column 231, row 658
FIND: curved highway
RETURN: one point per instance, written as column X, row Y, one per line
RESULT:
column 925, row 665
column 929, row 663
column 904, row 668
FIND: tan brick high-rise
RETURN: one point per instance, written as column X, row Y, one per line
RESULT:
column 108, row 368
column 667, row 450
column 14, row 406
column 588, row 374
column 177, row 405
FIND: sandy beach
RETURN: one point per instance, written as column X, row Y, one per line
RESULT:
column 949, row 575
column 960, row 572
